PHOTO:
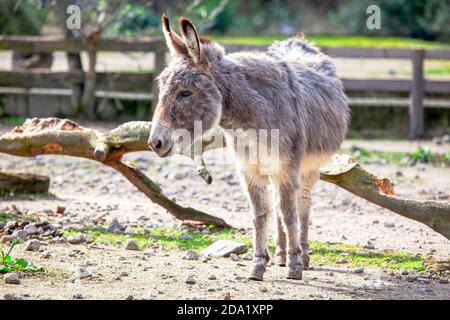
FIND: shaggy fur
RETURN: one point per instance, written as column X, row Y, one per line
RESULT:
column 292, row 88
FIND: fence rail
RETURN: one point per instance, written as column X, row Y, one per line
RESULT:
column 142, row 83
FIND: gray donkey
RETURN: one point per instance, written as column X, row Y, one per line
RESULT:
column 292, row 88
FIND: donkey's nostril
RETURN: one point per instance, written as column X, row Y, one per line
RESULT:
column 158, row 144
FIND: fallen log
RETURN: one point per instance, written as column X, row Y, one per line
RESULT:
column 23, row 183
column 56, row 136
column 348, row 174
column 65, row 137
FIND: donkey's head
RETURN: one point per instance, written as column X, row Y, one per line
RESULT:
column 188, row 93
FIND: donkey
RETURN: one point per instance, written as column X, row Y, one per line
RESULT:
column 292, row 88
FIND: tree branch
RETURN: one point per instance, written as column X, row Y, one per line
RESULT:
column 65, row 137
column 346, row 173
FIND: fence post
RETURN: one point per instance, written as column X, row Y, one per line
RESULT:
column 160, row 61
column 416, row 109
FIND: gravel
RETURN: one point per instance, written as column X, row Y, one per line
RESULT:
column 130, row 244
column 33, row 245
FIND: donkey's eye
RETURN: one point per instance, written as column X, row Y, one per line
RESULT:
column 184, row 94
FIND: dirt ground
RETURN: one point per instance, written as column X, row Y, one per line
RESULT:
column 88, row 190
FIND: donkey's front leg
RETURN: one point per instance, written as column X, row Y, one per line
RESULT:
column 285, row 203
column 260, row 207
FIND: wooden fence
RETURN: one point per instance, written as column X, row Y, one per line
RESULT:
column 126, row 85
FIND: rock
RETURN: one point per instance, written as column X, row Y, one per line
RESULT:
column 20, row 235
column 443, row 280
column 7, row 239
column 437, row 264
column 149, row 252
column 124, row 273
column 191, row 255
column 341, row 261
column 78, row 296
column 130, row 244
column 82, row 273
column 33, row 245
column 186, row 237
column 130, row 297
column 263, row 289
column 224, row 248
column 76, row 239
column 11, row 278
column 227, row 296
column 190, row 280
column 116, row 227
column 369, row 245
column 13, row 296
column 170, row 192
column 399, row 173
column 60, row 209
column 212, row 277
column 359, row 270
column 31, row 229
column 389, row 224
column 234, row 257
column 175, row 176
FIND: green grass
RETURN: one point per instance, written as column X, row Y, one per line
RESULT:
column 422, row 155
column 323, row 254
column 338, row 41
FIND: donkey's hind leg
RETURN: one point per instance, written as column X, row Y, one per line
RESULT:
column 308, row 179
column 280, row 251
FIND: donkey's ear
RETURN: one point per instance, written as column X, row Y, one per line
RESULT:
column 191, row 39
column 174, row 42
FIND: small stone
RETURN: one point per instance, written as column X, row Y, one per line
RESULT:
column 130, row 297
column 263, row 289
column 31, row 229
column 358, row 270
column 7, row 239
column 149, row 252
column 116, row 227
column 20, row 235
column 443, row 280
column 186, row 237
column 11, row 278
column 341, row 261
column 33, row 245
column 175, row 176
column 130, row 244
column 76, row 239
column 369, row 245
column 212, row 277
column 78, row 296
column 82, row 273
column 389, row 224
column 190, row 280
column 60, row 209
column 234, row 257
column 191, row 255
column 227, row 296
column 124, row 273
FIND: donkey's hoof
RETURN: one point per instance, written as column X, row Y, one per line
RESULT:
column 295, row 273
column 257, row 273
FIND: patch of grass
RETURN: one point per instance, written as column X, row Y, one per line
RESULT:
column 5, row 217
column 356, row 256
column 9, row 264
column 327, row 254
column 422, row 155
column 365, row 156
column 337, row 41
column 17, row 121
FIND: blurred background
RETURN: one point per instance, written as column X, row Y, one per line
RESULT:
column 397, row 76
